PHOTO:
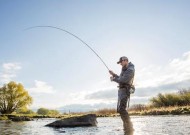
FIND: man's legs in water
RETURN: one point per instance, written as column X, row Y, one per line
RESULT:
column 121, row 109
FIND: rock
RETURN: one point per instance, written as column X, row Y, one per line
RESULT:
column 20, row 118
column 62, row 131
column 79, row 121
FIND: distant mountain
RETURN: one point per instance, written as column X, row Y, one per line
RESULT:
column 85, row 107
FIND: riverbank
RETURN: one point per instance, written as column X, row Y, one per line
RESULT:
column 176, row 110
column 173, row 110
column 25, row 117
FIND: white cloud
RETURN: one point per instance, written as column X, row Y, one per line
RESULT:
column 104, row 95
column 41, row 87
column 149, row 82
column 11, row 66
column 152, row 80
column 9, row 71
column 176, row 71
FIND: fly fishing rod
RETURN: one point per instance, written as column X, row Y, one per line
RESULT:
column 73, row 36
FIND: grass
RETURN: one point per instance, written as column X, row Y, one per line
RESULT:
column 173, row 110
column 106, row 112
column 8, row 116
column 3, row 117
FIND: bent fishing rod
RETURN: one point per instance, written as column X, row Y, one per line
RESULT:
column 53, row 27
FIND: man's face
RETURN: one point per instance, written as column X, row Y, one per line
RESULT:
column 124, row 63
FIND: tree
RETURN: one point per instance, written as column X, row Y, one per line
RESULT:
column 13, row 96
column 24, row 110
column 53, row 112
column 43, row 111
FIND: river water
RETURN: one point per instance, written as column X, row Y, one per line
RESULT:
column 143, row 125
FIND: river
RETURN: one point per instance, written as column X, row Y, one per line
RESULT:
column 143, row 125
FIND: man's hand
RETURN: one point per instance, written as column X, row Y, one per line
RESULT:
column 111, row 78
column 111, row 72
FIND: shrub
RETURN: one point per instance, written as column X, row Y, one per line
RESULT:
column 182, row 98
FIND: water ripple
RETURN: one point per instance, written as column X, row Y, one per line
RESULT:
column 143, row 125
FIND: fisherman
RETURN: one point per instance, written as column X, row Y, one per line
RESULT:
column 125, row 81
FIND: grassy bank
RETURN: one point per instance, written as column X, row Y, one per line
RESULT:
column 3, row 117
column 32, row 116
column 175, row 110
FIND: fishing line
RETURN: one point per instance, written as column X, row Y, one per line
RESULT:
column 73, row 36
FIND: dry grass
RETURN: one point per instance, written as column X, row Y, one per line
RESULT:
column 173, row 110
column 105, row 112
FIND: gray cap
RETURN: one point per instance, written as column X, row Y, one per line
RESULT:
column 121, row 59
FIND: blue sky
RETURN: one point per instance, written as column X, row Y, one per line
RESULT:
column 58, row 70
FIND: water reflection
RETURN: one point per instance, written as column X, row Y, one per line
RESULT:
column 149, row 125
column 128, row 126
column 8, row 128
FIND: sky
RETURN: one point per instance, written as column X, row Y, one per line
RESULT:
column 60, row 72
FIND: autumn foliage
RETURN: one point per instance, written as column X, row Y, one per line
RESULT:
column 13, row 96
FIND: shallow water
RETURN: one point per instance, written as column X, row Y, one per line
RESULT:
column 143, row 125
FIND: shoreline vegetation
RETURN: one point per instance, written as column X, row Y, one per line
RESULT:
column 175, row 110
column 163, row 104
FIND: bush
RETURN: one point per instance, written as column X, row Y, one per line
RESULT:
column 44, row 111
column 182, row 98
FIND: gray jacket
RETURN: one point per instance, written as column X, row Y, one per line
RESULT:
column 127, row 75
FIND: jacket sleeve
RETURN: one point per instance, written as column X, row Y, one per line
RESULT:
column 126, row 78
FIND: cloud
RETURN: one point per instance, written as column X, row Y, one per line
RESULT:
column 141, row 94
column 109, row 94
column 153, row 80
column 11, row 66
column 149, row 82
column 165, row 88
column 9, row 71
column 175, row 71
column 41, row 87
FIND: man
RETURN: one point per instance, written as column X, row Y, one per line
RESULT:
column 125, row 81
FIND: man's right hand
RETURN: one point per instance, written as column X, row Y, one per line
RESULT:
column 111, row 72
column 111, row 78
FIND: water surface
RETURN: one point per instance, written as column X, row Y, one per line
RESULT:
column 143, row 125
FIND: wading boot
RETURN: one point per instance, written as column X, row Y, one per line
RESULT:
column 127, row 125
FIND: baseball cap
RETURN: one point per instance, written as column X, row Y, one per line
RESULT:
column 121, row 59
